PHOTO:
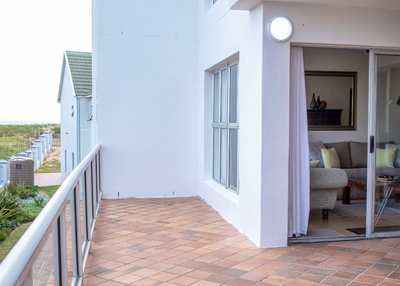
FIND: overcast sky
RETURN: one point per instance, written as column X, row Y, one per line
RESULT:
column 33, row 36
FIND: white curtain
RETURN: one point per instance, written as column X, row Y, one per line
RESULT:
column 299, row 169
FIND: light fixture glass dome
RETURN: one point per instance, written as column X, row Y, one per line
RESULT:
column 280, row 28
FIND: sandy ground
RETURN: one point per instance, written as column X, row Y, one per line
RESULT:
column 54, row 154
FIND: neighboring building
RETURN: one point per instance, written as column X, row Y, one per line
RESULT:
column 75, row 98
column 156, row 68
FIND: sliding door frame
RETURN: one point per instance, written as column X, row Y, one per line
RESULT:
column 371, row 172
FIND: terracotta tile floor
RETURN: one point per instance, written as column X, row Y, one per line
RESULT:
column 182, row 241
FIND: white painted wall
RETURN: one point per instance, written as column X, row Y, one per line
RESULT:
column 313, row 25
column 153, row 82
column 354, row 60
column 85, row 127
column 68, row 124
column 239, row 33
column 147, row 86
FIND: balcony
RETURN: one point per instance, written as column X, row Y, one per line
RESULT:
column 174, row 241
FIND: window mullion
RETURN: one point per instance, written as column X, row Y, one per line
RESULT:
column 219, row 121
column 228, row 82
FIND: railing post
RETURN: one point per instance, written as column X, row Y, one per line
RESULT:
column 60, row 251
column 76, row 233
column 93, row 189
column 87, row 211
column 97, row 182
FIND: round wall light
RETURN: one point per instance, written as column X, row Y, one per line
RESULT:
column 280, row 28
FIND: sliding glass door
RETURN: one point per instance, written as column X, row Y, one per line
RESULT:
column 383, row 185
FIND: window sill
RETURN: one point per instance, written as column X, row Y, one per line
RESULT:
column 230, row 195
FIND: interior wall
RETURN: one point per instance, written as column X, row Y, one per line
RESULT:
column 394, row 109
column 320, row 59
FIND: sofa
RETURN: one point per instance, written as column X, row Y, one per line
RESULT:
column 353, row 160
column 324, row 184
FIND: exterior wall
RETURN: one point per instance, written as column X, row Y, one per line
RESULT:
column 263, row 151
column 153, row 87
column 147, row 107
column 68, row 124
column 85, row 127
column 314, row 25
column 225, row 33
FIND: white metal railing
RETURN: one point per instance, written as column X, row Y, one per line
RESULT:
column 16, row 268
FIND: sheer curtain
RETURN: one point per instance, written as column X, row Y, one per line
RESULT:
column 299, row 169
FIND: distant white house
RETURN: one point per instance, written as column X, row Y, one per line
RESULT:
column 75, row 97
column 193, row 98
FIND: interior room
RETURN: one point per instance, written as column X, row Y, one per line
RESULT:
column 336, row 82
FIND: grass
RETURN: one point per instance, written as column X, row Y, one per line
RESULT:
column 13, row 238
column 54, row 166
column 49, row 190
column 15, row 138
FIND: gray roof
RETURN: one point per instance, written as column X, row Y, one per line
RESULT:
column 80, row 64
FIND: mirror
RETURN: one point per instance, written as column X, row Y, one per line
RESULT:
column 337, row 96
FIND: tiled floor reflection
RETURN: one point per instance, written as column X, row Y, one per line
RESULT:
column 182, row 241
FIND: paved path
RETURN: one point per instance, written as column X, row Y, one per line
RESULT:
column 47, row 179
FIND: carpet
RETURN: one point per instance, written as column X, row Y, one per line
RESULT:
column 357, row 209
column 324, row 232
column 361, row 230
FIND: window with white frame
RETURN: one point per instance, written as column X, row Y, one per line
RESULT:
column 225, row 127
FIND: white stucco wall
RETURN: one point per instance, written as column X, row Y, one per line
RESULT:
column 223, row 34
column 152, row 78
column 313, row 25
column 68, row 124
column 266, row 186
column 85, row 127
column 147, row 86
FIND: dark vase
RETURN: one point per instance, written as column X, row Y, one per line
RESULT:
column 313, row 103
column 318, row 102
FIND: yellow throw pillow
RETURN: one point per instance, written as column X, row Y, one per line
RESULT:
column 330, row 158
column 385, row 157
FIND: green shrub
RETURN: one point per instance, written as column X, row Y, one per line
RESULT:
column 9, row 201
column 21, row 191
column 3, row 235
column 9, row 207
column 28, row 212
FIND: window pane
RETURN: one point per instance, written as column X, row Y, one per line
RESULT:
column 216, row 98
column 233, row 95
column 224, row 142
column 233, row 159
column 216, row 156
column 224, row 96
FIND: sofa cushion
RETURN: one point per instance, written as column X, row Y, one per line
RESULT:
column 343, row 151
column 325, row 179
column 358, row 154
column 315, row 152
column 397, row 156
column 330, row 158
column 382, row 145
column 314, row 164
column 385, row 157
